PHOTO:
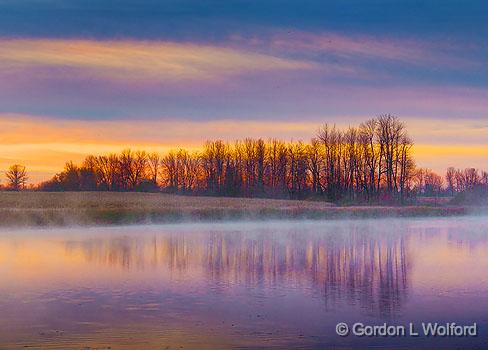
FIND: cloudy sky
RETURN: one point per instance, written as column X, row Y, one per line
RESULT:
column 95, row 76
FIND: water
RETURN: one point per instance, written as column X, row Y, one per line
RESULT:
column 262, row 285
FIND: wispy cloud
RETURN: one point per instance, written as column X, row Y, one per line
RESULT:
column 413, row 51
column 132, row 60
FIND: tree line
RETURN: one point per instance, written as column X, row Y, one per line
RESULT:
column 370, row 162
column 366, row 162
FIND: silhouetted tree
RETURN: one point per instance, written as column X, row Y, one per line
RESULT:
column 16, row 177
column 154, row 161
column 450, row 179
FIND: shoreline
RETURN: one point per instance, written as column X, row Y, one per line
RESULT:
column 58, row 209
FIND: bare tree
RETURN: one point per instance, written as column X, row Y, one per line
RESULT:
column 277, row 169
column 450, row 179
column 170, row 171
column 154, row 161
column 108, row 171
column 213, row 161
column 391, row 131
column 314, row 152
column 17, row 177
column 297, row 171
column 139, row 168
column 133, row 167
column 371, row 156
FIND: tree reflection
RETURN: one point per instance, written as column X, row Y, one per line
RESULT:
column 346, row 266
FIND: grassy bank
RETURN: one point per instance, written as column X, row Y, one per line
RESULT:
column 105, row 208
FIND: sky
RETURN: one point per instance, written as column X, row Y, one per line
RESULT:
column 96, row 76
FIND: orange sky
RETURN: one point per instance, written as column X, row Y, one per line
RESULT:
column 45, row 144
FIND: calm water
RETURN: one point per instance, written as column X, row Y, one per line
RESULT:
column 256, row 285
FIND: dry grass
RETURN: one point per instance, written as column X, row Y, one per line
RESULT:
column 92, row 208
column 137, row 200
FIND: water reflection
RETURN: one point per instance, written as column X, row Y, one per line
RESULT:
column 342, row 263
column 255, row 285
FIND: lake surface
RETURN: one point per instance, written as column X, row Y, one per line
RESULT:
column 264, row 285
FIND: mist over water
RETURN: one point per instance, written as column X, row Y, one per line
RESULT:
column 276, row 284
